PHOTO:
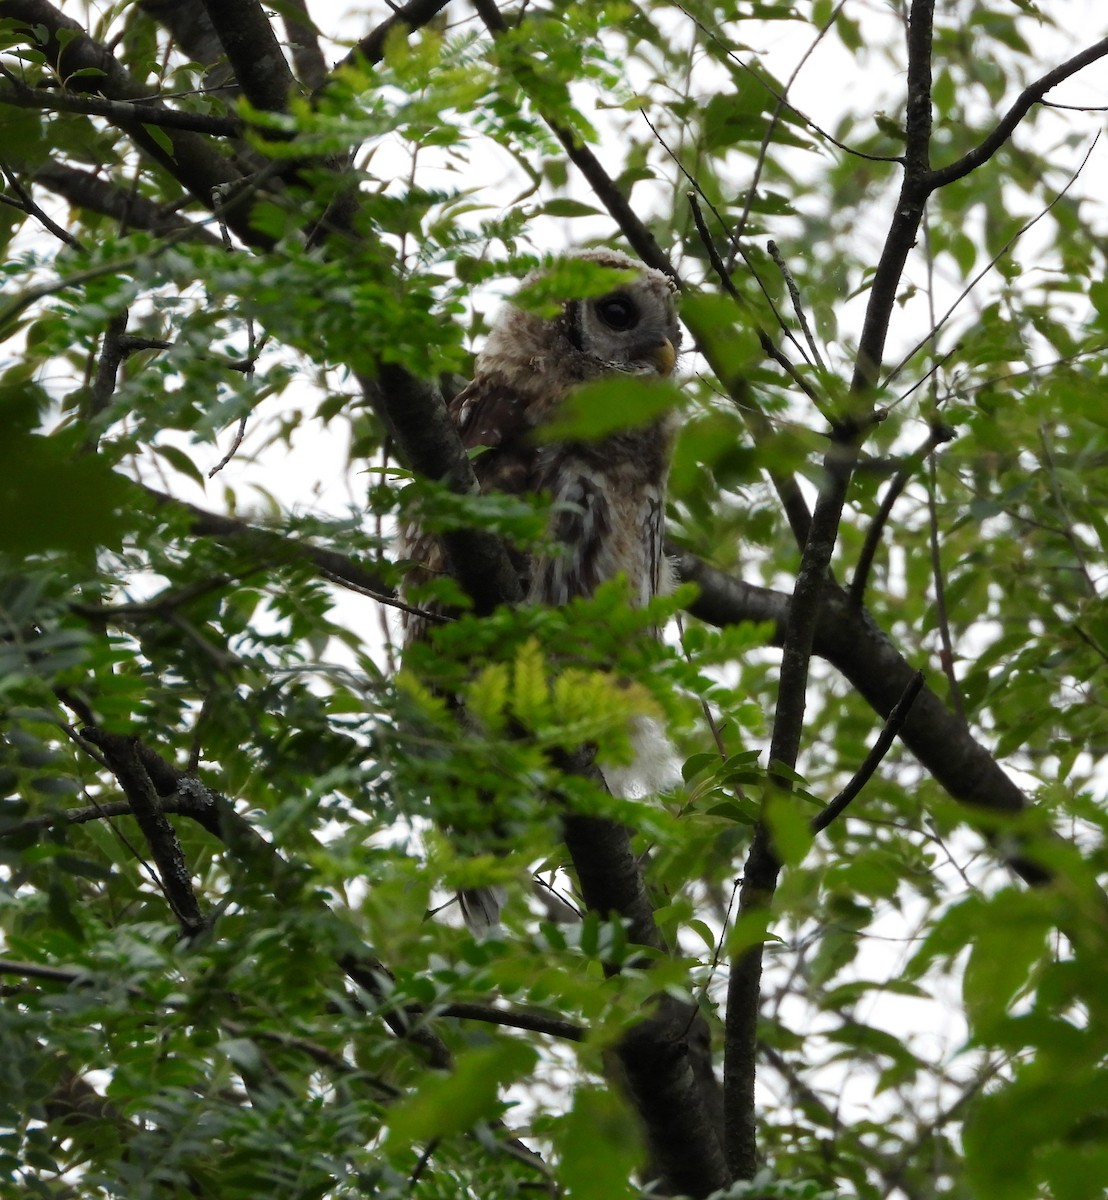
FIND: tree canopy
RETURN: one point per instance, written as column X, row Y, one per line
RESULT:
column 861, row 947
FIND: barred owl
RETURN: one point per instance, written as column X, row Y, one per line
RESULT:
column 608, row 494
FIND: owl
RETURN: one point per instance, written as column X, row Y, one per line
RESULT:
column 608, row 495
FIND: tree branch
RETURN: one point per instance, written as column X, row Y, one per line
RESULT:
column 938, row 434
column 410, row 16
column 307, row 55
column 633, row 229
column 190, row 157
column 511, row 1018
column 118, row 112
column 847, row 638
column 188, row 24
column 126, row 764
column 915, row 187
column 272, row 545
column 893, row 725
column 253, row 51
column 428, row 442
column 84, row 190
column 808, row 597
column 1030, row 96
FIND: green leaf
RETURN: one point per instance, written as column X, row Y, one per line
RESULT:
column 54, row 498
column 446, row 1104
column 568, row 208
column 180, row 461
column 790, row 824
column 1011, row 941
column 597, row 410
column 598, row 1144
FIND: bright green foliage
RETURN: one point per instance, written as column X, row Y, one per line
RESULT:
column 929, row 1026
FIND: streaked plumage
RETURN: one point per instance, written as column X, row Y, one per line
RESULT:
column 608, row 494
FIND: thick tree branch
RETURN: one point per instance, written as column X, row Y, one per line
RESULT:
column 514, row 1018
column 253, row 51
column 190, row 157
column 416, row 416
column 847, row 638
column 188, row 23
column 307, row 55
column 85, row 190
column 123, row 757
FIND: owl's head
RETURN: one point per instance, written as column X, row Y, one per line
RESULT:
column 631, row 328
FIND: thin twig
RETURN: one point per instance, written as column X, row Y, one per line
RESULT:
column 408, row 17
column 29, row 970
column 392, row 601
column 968, row 389
column 728, row 284
column 892, row 374
column 782, row 102
column 32, row 209
column 942, row 617
column 893, row 725
column 1068, row 532
column 794, row 295
column 938, row 434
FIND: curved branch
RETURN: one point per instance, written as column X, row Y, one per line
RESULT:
column 1030, row 96
column 410, row 16
column 893, row 725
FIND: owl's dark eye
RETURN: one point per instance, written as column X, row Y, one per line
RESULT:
column 618, row 312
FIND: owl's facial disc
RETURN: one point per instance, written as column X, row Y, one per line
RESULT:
column 622, row 334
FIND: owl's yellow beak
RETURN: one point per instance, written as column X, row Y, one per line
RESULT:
column 664, row 357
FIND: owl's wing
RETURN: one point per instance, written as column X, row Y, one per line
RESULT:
column 489, row 412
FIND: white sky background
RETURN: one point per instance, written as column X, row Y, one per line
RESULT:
column 313, row 475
